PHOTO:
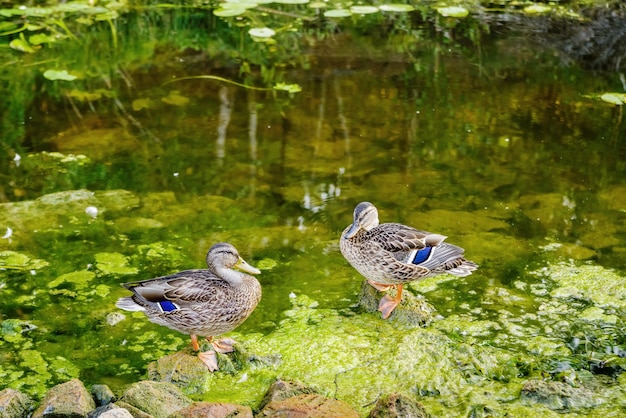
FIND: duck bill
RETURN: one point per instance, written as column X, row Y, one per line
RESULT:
column 242, row 265
column 354, row 228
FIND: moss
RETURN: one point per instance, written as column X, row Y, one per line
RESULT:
column 594, row 283
column 114, row 264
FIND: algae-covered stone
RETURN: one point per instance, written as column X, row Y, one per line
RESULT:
column 183, row 370
column 159, row 399
column 560, row 396
column 117, row 200
column 70, row 399
column 412, row 311
column 311, row 405
column 214, row 409
column 134, row 225
column 282, row 389
column 14, row 404
column 397, row 405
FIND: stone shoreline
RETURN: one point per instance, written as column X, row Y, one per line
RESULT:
column 149, row 398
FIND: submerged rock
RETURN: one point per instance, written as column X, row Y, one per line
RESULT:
column 159, row 399
column 308, row 405
column 69, row 399
column 14, row 403
column 397, row 405
column 559, row 396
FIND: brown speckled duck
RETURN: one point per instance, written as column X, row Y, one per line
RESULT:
column 207, row 302
column 392, row 254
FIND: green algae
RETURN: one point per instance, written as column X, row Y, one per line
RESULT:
column 114, row 264
column 593, row 283
column 13, row 260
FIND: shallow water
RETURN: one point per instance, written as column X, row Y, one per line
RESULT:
column 491, row 140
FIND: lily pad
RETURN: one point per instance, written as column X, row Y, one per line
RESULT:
column 364, row 10
column 614, row 98
column 59, row 75
column 337, row 13
column 261, row 32
column 453, row 11
column 537, row 9
column 395, row 7
column 229, row 12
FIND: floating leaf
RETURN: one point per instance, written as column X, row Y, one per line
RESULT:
column 337, row 13
column 537, row 8
column 614, row 98
column 59, row 75
column 262, row 32
column 41, row 38
column 175, row 99
column 363, row 10
column 141, row 104
column 227, row 12
column 291, row 88
column 394, row 7
column 21, row 44
column 453, row 11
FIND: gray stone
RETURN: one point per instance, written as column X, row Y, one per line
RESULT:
column 69, row 399
column 159, row 399
column 14, row 404
column 214, row 410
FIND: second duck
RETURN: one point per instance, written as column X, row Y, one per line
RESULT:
column 391, row 254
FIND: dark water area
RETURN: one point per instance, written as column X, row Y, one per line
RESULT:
column 479, row 133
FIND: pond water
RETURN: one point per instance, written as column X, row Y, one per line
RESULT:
column 482, row 135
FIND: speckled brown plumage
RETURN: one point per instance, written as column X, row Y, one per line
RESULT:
column 207, row 302
column 392, row 254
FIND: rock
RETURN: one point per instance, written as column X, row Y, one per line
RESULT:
column 69, row 399
column 214, row 410
column 14, row 404
column 111, row 410
column 412, row 311
column 308, row 405
column 134, row 411
column 281, row 390
column 559, row 396
column 102, row 394
column 159, row 399
column 397, row 405
column 182, row 369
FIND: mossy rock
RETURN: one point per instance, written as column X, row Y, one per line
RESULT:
column 159, row 399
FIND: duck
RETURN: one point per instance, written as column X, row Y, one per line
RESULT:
column 203, row 302
column 392, row 254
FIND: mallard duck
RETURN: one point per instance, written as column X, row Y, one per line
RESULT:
column 391, row 254
column 207, row 302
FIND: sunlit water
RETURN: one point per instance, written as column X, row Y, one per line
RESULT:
column 495, row 144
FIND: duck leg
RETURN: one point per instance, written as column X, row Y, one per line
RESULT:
column 388, row 304
column 209, row 358
column 379, row 286
column 224, row 345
